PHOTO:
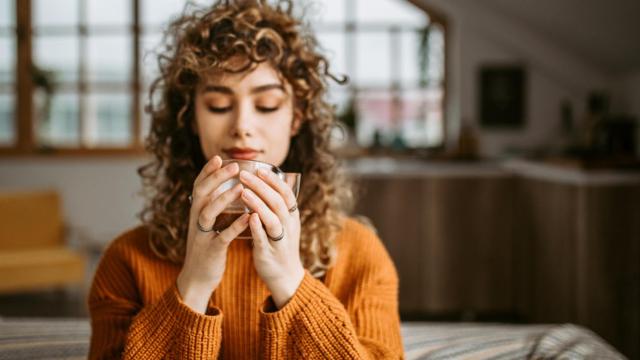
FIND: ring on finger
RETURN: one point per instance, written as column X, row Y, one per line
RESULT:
column 293, row 208
column 201, row 228
column 277, row 238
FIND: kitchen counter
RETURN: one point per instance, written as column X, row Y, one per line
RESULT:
column 511, row 239
column 388, row 167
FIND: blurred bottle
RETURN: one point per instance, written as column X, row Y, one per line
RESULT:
column 468, row 143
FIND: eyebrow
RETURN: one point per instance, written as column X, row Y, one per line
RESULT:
column 257, row 89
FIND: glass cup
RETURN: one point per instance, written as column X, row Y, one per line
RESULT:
column 237, row 207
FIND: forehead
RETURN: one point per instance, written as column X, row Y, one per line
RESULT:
column 259, row 75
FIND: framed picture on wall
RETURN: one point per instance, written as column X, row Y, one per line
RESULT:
column 502, row 96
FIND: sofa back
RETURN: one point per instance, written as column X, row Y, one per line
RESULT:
column 30, row 219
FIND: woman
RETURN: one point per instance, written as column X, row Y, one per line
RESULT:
column 243, row 81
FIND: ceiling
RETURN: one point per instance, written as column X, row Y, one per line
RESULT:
column 605, row 33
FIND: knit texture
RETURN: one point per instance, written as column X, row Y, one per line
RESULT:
column 352, row 313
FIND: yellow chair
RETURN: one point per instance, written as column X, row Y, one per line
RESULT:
column 33, row 252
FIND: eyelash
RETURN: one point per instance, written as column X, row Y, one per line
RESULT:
column 225, row 109
column 266, row 109
column 219, row 110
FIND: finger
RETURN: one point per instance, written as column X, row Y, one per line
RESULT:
column 203, row 190
column 267, row 217
column 234, row 230
column 260, row 240
column 280, row 186
column 271, row 197
column 210, row 212
column 213, row 164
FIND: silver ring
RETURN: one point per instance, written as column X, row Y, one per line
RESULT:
column 201, row 228
column 277, row 238
column 293, row 208
column 190, row 199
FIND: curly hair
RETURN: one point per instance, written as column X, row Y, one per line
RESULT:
column 202, row 40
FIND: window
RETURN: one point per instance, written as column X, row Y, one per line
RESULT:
column 7, row 71
column 93, row 61
column 394, row 54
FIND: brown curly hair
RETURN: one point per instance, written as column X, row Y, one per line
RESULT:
column 202, row 40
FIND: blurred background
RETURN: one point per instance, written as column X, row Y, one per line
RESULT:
column 496, row 145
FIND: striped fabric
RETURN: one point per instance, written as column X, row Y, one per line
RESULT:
column 500, row 341
column 69, row 339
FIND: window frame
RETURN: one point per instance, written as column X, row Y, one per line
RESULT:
column 25, row 144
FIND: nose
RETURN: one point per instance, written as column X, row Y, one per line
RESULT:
column 242, row 126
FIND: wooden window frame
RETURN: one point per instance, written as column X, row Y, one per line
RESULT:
column 25, row 144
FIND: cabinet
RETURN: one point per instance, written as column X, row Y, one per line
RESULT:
column 580, row 257
column 514, row 244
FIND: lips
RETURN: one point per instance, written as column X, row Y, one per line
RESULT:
column 242, row 153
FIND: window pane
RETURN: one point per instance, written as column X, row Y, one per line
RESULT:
column 60, row 126
column 112, row 12
column 58, row 54
column 7, row 123
column 108, row 119
column 374, row 115
column 435, row 69
column 145, row 118
column 109, row 58
column 410, row 61
column 327, row 11
column 373, row 58
column 390, row 11
column 159, row 12
column 55, row 12
column 422, row 117
column 332, row 45
column 150, row 48
column 7, row 13
column 7, row 60
column 338, row 96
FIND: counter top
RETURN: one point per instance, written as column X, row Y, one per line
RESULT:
column 389, row 167
column 408, row 168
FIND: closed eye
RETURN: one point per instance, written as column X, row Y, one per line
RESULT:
column 266, row 109
column 219, row 110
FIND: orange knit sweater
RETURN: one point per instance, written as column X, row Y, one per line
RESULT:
column 137, row 313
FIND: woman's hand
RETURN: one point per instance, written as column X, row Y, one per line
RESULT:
column 276, row 261
column 206, row 252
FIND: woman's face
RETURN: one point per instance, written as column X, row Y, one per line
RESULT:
column 245, row 116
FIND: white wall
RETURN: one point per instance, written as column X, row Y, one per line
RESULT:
column 99, row 194
column 479, row 35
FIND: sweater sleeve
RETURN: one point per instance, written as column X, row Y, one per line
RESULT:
column 314, row 324
column 122, row 327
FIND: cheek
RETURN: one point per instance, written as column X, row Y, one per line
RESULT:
column 210, row 131
column 279, row 139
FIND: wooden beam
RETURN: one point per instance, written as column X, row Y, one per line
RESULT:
column 24, row 83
